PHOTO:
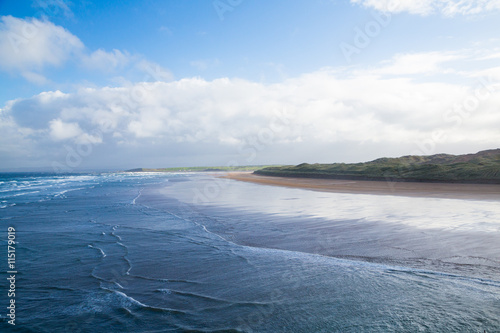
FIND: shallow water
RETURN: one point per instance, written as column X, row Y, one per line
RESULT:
column 182, row 252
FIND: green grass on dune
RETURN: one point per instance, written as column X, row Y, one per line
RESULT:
column 482, row 167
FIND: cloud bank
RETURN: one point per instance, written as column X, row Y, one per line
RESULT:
column 326, row 107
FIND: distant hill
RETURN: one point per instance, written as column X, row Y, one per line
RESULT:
column 482, row 167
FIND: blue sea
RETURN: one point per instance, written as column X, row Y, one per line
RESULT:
column 179, row 252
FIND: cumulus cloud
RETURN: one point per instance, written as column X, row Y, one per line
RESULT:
column 15, row 139
column 31, row 44
column 427, row 7
column 60, row 130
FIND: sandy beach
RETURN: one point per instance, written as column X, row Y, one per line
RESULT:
column 412, row 189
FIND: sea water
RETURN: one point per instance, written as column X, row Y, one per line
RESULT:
column 174, row 252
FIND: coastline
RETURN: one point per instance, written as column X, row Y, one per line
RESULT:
column 409, row 189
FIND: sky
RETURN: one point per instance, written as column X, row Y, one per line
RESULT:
column 163, row 83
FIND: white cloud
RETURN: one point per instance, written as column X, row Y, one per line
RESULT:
column 491, row 56
column 60, row 130
column 417, row 63
column 54, row 7
column 15, row 139
column 427, row 7
column 34, row 77
column 153, row 72
column 423, row 7
column 326, row 107
column 30, row 45
column 106, row 61
column 86, row 138
column 63, row 131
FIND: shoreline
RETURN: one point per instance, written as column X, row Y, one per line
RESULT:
column 408, row 189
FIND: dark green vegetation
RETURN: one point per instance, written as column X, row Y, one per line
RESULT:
column 482, row 167
column 203, row 169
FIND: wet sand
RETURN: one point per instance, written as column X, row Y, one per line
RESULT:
column 412, row 189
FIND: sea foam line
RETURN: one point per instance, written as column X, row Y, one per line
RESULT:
column 142, row 305
column 99, row 249
column 9, row 205
column 137, row 197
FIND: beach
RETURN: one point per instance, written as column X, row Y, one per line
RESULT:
column 410, row 189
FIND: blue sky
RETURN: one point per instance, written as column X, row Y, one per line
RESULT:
column 121, row 84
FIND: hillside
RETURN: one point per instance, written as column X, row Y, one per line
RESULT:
column 482, row 167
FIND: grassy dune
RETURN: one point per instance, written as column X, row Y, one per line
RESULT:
column 482, row 167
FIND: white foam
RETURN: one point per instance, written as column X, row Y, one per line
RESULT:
column 137, row 197
column 165, row 291
column 99, row 249
column 6, row 206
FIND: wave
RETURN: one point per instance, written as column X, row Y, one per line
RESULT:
column 98, row 249
column 60, row 194
column 6, row 206
column 19, row 194
column 137, row 197
column 217, row 330
column 391, row 269
column 42, row 188
column 135, row 302
column 235, row 249
column 291, row 254
column 116, row 236
column 57, row 288
column 209, row 298
column 192, row 282
column 421, row 273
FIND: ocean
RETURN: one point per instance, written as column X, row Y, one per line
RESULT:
column 180, row 252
